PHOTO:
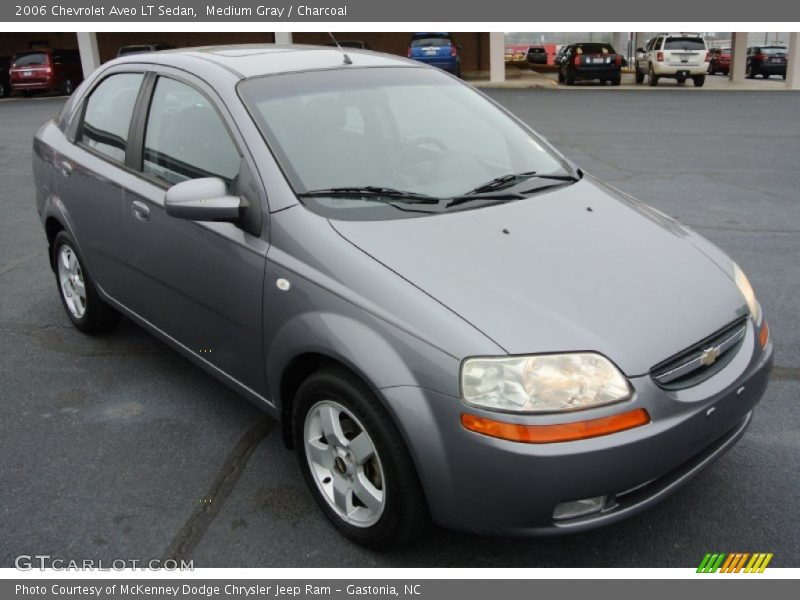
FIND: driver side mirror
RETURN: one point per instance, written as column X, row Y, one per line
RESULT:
column 203, row 199
column 640, row 50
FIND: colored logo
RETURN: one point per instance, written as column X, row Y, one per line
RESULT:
column 738, row 562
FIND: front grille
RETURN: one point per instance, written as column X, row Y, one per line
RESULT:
column 702, row 360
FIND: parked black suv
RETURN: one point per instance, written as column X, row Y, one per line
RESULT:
column 766, row 61
column 590, row 60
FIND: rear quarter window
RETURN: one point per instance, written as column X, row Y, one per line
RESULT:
column 108, row 115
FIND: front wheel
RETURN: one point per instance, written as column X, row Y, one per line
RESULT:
column 87, row 311
column 355, row 462
column 639, row 74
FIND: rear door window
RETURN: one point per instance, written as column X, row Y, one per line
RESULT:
column 107, row 118
column 185, row 137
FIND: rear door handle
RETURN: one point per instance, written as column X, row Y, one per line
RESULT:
column 66, row 168
column 140, row 210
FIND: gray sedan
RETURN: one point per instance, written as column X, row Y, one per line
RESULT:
column 452, row 321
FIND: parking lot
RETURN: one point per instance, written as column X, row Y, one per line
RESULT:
column 115, row 447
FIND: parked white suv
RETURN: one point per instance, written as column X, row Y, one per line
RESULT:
column 674, row 55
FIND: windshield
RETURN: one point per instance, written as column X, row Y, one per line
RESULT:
column 685, row 43
column 29, row 59
column 409, row 129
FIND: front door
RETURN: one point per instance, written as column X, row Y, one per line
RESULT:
column 200, row 283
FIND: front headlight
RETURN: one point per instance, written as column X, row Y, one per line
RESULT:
column 542, row 383
column 747, row 291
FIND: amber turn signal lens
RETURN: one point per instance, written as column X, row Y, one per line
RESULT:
column 561, row 432
column 763, row 336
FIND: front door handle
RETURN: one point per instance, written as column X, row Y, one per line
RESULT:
column 140, row 210
column 66, row 168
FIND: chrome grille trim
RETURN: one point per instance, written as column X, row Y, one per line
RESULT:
column 702, row 355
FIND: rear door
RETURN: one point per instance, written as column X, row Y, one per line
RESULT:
column 90, row 175
column 198, row 282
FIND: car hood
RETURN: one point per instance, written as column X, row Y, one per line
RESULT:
column 582, row 268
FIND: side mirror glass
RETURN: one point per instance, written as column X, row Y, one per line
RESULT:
column 203, row 199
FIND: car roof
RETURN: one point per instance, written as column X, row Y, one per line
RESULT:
column 254, row 60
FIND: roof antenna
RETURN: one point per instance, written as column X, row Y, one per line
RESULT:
column 346, row 58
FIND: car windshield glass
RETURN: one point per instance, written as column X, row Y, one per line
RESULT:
column 30, row 59
column 408, row 129
column 684, row 43
column 430, row 41
column 774, row 50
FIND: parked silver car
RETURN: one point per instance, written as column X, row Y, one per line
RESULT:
column 449, row 318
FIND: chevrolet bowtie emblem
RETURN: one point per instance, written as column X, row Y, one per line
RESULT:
column 709, row 356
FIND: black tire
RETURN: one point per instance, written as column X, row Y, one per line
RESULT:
column 784, row 76
column 750, row 74
column 5, row 90
column 764, row 76
column 405, row 514
column 569, row 78
column 652, row 78
column 699, row 80
column 560, row 76
column 681, row 80
column 639, row 75
column 97, row 316
column 617, row 80
column 68, row 87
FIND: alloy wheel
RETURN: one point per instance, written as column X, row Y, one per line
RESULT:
column 70, row 278
column 344, row 463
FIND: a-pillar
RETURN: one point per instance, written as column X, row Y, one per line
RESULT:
column 90, row 55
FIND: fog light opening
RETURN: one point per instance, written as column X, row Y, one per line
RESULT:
column 578, row 508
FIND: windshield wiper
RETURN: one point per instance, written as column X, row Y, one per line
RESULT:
column 499, row 182
column 496, row 197
column 505, row 181
column 372, row 192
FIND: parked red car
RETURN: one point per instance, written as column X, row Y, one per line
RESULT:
column 47, row 70
column 720, row 61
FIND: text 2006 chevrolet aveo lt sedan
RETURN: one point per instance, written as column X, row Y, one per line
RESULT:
column 451, row 320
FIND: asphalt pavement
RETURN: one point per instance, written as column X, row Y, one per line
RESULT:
column 115, row 447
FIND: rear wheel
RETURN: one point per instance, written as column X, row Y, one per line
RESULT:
column 87, row 311
column 617, row 80
column 652, row 78
column 751, row 72
column 560, row 76
column 569, row 78
column 639, row 74
column 699, row 80
column 4, row 90
column 681, row 80
column 68, row 87
column 355, row 462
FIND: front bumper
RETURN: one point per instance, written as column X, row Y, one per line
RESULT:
column 485, row 485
